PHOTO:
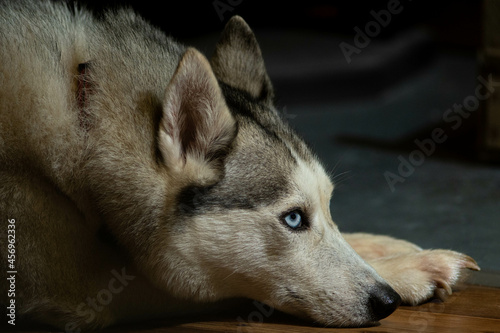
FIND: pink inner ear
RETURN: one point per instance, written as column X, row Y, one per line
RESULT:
column 195, row 114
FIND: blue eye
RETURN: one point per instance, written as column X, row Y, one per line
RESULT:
column 293, row 219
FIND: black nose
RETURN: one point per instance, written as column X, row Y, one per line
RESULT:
column 383, row 301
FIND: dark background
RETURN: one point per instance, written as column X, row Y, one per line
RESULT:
column 456, row 22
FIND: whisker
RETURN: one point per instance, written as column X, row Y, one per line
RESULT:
column 341, row 177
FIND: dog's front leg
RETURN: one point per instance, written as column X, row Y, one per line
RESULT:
column 415, row 274
column 371, row 247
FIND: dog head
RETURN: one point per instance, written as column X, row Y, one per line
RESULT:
column 248, row 202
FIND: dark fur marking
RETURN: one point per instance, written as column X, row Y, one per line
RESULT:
column 157, row 116
column 243, row 104
column 193, row 200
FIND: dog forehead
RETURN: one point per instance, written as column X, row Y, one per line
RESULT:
column 267, row 162
column 312, row 180
column 260, row 166
column 261, row 170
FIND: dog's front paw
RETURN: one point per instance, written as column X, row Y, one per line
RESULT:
column 419, row 276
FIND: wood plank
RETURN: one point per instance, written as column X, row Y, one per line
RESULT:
column 470, row 309
column 421, row 321
column 402, row 320
column 475, row 301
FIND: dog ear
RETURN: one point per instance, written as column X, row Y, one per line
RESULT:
column 197, row 126
column 238, row 61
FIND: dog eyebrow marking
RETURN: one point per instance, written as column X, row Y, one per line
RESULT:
column 240, row 104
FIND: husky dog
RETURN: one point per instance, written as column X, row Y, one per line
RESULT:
column 137, row 179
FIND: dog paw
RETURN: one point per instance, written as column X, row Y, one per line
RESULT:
column 419, row 276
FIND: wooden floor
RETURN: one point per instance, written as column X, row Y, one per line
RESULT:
column 471, row 309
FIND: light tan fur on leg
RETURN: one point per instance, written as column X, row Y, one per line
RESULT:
column 371, row 247
column 415, row 274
